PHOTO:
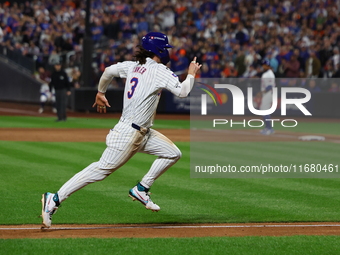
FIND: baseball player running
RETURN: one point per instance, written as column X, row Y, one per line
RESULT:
column 267, row 85
column 145, row 79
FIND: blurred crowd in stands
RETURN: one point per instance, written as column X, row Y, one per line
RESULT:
column 300, row 38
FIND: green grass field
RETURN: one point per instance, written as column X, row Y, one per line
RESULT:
column 29, row 169
column 313, row 127
column 209, row 245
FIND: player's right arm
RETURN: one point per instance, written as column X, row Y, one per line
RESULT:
column 116, row 70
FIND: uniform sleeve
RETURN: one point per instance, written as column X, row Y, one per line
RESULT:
column 173, row 85
column 168, row 80
column 123, row 68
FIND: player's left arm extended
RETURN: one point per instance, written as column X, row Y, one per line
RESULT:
column 186, row 86
column 188, row 83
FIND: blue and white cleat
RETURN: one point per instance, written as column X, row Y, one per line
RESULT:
column 50, row 203
column 270, row 131
column 267, row 131
column 141, row 194
column 264, row 131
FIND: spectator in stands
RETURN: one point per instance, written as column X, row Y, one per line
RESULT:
column 67, row 45
column 274, row 64
column 335, row 59
column 211, row 55
column 18, row 48
column 251, row 72
column 337, row 72
column 18, row 37
column 28, row 10
column 180, row 62
column 196, row 51
column 126, row 26
column 240, row 63
column 215, row 70
column 325, row 52
column 224, row 30
column 291, row 67
column 301, row 60
column 283, row 54
column 54, row 58
column 252, row 57
column 143, row 26
column 242, row 34
column 106, row 62
column 334, row 87
column 76, row 77
column 166, row 17
column 205, row 72
column 328, row 70
column 229, row 70
column 312, row 66
column 33, row 50
column 97, row 30
column 304, row 54
column 312, row 87
column 111, row 26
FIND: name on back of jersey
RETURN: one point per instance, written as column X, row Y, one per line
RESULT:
column 139, row 69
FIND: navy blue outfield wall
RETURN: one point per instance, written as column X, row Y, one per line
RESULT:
column 322, row 104
column 83, row 100
column 17, row 86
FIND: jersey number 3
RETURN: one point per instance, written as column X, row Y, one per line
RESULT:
column 134, row 83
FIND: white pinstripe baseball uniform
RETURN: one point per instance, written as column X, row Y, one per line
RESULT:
column 267, row 79
column 133, row 133
column 145, row 80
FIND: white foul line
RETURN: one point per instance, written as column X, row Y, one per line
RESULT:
column 258, row 134
column 18, row 111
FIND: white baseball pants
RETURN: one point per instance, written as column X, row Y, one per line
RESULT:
column 122, row 143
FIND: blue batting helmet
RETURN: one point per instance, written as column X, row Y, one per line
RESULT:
column 265, row 62
column 157, row 43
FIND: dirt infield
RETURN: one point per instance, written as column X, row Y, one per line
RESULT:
column 152, row 231
column 72, row 135
column 165, row 231
column 176, row 135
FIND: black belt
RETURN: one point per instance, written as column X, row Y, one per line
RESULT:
column 135, row 126
column 144, row 130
